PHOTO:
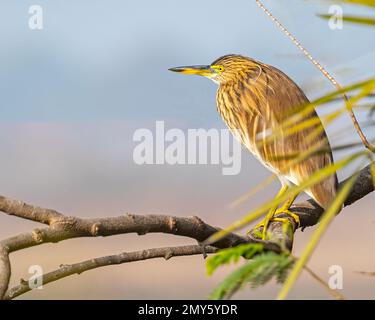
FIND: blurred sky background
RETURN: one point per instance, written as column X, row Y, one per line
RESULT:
column 72, row 94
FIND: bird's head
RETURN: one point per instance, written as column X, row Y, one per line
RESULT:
column 225, row 69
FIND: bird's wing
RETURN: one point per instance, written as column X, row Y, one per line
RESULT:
column 257, row 107
column 285, row 99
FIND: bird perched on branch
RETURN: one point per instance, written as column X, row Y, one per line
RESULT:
column 256, row 101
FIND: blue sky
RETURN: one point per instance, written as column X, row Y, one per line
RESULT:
column 105, row 60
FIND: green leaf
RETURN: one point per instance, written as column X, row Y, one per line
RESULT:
column 352, row 19
column 256, row 272
column 372, row 168
column 302, row 119
column 328, row 216
column 312, row 180
column 226, row 256
column 369, row 3
column 360, row 20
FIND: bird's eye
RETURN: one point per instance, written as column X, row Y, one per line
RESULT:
column 218, row 68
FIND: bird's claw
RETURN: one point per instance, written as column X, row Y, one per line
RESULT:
column 265, row 223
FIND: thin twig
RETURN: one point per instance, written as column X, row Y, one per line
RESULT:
column 337, row 295
column 125, row 257
column 366, row 273
column 316, row 63
column 63, row 227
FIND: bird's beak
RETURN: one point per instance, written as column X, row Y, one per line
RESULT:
column 204, row 71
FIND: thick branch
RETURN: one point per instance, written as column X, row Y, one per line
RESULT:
column 125, row 257
column 71, row 227
column 63, row 227
column 310, row 212
column 27, row 211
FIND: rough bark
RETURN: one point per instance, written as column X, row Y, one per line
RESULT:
column 61, row 227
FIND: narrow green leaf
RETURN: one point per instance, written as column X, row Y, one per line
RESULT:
column 302, row 119
column 312, row 180
column 322, row 227
column 352, row 19
column 249, row 194
column 372, row 167
column 360, row 20
column 369, row 3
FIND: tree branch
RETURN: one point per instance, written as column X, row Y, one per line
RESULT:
column 27, row 211
column 71, row 227
column 61, row 227
column 309, row 212
column 125, row 257
column 4, row 271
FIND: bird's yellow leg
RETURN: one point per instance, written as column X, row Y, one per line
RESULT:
column 275, row 210
column 270, row 213
column 285, row 209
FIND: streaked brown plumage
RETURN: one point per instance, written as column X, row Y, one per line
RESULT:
column 254, row 100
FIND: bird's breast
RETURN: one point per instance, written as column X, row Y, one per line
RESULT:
column 244, row 112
